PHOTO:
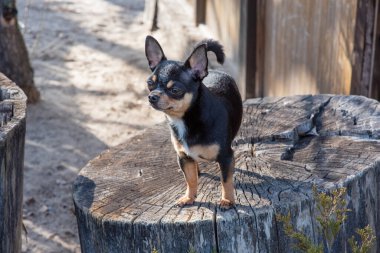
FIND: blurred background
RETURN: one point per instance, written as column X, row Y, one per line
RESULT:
column 88, row 92
column 287, row 47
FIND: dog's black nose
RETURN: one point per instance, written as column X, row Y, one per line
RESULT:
column 153, row 98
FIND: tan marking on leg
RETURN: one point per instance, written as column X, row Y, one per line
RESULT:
column 169, row 84
column 206, row 152
column 154, row 78
column 228, row 190
column 179, row 148
column 190, row 172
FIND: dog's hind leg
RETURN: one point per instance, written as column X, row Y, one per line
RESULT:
column 227, row 167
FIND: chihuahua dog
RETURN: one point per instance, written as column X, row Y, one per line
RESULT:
column 204, row 110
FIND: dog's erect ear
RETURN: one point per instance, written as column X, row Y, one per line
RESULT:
column 197, row 62
column 153, row 52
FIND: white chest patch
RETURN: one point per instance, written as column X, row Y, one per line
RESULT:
column 179, row 143
column 197, row 152
column 180, row 127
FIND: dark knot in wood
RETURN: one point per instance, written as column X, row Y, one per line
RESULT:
column 9, row 13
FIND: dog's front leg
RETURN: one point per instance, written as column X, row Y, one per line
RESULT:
column 189, row 168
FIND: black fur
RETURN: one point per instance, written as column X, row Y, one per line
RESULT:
column 215, row 112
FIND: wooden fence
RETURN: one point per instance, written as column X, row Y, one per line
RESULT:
column 286, row 47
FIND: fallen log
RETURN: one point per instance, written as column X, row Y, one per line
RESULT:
column 12, row 140
column 125, row 198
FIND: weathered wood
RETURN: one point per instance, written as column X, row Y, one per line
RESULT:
column 364, row 48
column 12, row 139
column 224, row 18
column 248, row 45
column 259, row 23
column 14, row 59
column 200, row 11
column 150, row 14
column 288, row 47
column 309, row 47
column 375, row 92
column 125, row 198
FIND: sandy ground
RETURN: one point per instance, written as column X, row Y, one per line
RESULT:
column 90, row 67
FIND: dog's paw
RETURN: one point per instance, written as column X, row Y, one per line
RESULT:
column 226, row 204
column 185, row 200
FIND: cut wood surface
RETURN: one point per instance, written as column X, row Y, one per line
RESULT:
column 12, row 140
column 125, row 198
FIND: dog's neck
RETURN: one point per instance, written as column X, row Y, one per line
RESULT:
column 193, row 119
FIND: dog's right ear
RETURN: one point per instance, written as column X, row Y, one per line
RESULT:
column 153, row 52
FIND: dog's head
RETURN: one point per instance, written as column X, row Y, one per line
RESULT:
column 174, row 85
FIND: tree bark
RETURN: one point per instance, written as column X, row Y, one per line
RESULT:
column 125, row 198
column 12, row 140
column 14, row 59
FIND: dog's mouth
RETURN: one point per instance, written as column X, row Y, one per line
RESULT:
column 169, row 108
column 157, row 107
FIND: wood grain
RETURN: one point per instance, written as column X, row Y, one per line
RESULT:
column 125, row 198
column 12, row 140
column 364, row 48
column 310, row 47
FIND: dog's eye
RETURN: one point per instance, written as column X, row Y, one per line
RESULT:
column 175, row 90
column 150, row 84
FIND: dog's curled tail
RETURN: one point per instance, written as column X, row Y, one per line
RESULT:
column 214, row 46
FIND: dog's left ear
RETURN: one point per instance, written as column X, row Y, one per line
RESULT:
column 153, row 52
column 197, row 62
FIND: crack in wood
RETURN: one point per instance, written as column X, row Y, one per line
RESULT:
column 215, row 226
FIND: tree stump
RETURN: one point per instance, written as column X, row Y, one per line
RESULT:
column 12, row 140
column 125, row 198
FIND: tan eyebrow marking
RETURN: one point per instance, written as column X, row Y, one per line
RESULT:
column 154, row 78
column 169, row 84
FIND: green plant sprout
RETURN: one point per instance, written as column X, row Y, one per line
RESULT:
column 332, row 214
column 367, row 238
column 302, row 242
